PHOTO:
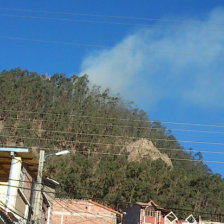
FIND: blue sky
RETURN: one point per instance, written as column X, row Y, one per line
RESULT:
column 172, row 66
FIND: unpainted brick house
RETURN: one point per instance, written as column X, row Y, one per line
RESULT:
column 83, row 211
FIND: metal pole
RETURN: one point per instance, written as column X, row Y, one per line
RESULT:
column 37, row 201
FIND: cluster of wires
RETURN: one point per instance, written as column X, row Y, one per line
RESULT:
column 119, row 123
column 76, row 17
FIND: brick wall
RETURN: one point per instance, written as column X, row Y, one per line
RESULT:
column 81, row 211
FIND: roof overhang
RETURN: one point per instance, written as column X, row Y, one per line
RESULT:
column 5, row 162
column 14, row 150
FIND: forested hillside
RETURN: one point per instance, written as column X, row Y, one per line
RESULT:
column 56, row 113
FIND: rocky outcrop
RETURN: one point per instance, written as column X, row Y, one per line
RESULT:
column 143, row 147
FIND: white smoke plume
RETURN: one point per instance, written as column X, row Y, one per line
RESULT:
column 184, row 64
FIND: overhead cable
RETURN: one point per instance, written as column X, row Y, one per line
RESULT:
column 118, row 201
column 111, row 16
column 115, row 145
column 77, row 44
column 111, row 22
column 144, row 156
column 115, row 118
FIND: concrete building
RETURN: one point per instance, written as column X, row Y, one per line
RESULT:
column 18, row 173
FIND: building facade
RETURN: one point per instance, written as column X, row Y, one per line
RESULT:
column 83, row 211
column 148, row 213
column 18, row 174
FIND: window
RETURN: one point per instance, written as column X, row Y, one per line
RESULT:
column 150, row 211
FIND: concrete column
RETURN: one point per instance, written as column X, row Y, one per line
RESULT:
column 13, row 183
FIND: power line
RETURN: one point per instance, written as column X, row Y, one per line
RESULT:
column 115, row 118
column 119, row 145
column 168, row 149
column 26, row 188
column 130, row 203
column 101, row 135
column 145, row 156
column 111, row 16
column 70, row 132
column 198, row 131
column 60, row 193
column 64, row 193
column 13, row 186
column 55, row 42
column 66, row 208
column 56, row 200
column 64, row 198
column 105, row 46
column 69, row 209
column 191, row 124
column 107, row 22
column 121, row 136
column 14, row 211
column 115, row 154
column 31, row 182
column 113, row 136
column 115, row 145
column 49, row 197
column 64, row 122
column 117, row 201
column 108, row 124
column 178, row 159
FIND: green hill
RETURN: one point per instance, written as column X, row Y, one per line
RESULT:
column 56, row 113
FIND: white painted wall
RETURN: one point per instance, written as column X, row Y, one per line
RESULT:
column 13, row 190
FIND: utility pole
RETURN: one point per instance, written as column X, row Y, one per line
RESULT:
column 37, row 201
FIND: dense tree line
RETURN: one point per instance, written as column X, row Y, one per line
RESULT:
column 56, row 113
